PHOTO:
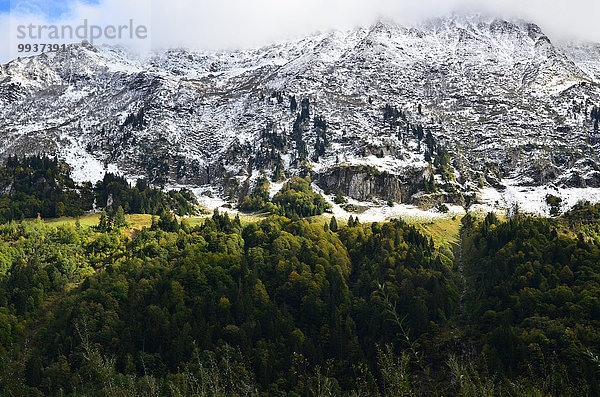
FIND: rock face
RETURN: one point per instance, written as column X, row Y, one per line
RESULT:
column 364, row 183
column 500, row 99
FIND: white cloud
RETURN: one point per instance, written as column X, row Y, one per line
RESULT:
column 230, row 23
column 245, row 23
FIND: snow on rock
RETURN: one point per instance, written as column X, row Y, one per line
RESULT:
column 84, row 167
column 381, row 212
column 274, row 188
column 208, row 198
column 532, row 200
column 409, row 213
column 503, row 100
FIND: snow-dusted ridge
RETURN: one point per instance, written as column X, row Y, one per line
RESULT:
column 507, row 103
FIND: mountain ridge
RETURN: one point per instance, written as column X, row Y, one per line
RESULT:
column 509, row 107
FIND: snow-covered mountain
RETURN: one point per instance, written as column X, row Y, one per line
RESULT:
column 379, row 108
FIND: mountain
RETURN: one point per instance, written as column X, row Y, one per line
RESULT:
column 469, row 110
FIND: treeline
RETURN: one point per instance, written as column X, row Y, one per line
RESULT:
column 114, row 191
column 42, row 186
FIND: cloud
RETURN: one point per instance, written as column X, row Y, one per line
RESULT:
column 231, row 23
column 224, row 24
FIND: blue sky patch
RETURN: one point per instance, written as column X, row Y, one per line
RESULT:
column 52, row 9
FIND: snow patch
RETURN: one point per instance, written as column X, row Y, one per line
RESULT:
column 84, row 167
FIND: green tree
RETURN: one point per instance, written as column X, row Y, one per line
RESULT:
column 60, row 209
column 293, row 104
column 168, row 222
column 119, row 218
column 104, row 222
column 333, row 226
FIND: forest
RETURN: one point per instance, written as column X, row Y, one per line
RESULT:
column 291, row 304
column 285, row 307
column 40, row 186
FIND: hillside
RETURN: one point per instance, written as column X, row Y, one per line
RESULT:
column 281, row 307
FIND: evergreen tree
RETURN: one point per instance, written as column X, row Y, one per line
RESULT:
column 305, row 111
column 430, row 142
column 104, row 223
column 420, row 132
column 293, row 104
column 168, row 222
column 427, row 156
column 333, row 226
column 59, row 209
column 277, row 173
column 430, row 185
column 119, row 218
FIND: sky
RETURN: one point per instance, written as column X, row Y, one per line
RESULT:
column 228, row 24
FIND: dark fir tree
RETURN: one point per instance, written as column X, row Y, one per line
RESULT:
column 305, row 111
column 333, row 226
column 350, row 222
column 168, row 222
column 293, row 104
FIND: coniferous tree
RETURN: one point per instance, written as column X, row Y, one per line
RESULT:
column 430, row 141
column 119, row 218
column 305, row 111
column 59, row 209
column 427, row 156
column 293, row 104
column 333, row 226
column 168, row 222
column 420, row 132
column 104, row 223
column 278, row 172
